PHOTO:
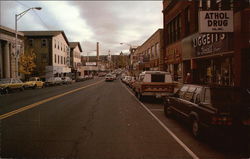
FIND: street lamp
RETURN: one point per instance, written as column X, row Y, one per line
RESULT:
column 17, row 17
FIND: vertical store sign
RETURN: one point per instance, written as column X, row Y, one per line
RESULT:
column 216, row 21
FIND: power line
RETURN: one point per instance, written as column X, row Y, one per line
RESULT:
column 41, row 20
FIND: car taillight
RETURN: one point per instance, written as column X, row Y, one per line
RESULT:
column 221, row 120
column 246, row 122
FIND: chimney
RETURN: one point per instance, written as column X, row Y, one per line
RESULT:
column 97, row 51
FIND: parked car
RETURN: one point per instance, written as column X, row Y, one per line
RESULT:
column 109, row 77
column 154, row 83
column 67, row 80
column 220, row 109
column 34, row 82
column 126, row 79
column 8, row 84
column 80, row 79
column 52, row 81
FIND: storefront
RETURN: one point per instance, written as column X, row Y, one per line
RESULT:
column 213, row 62
column 173, row 59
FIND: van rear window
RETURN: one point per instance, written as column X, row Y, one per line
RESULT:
column 158, row 78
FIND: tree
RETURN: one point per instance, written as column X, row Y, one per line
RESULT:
column 27, row 63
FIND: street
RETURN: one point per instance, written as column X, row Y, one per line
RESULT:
column 98, row 120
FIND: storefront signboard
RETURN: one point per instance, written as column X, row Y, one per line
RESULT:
column 216, row 21
column 206, row 44
column 90, row 63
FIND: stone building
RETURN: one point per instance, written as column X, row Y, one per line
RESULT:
column 8, row 58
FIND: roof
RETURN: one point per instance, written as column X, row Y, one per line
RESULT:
column 46, row 33
column 74, row 44
column 10, row 30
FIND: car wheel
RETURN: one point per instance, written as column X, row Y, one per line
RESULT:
column 6, row 90
column 196, row 131
column 22, row 88
column 35, row 86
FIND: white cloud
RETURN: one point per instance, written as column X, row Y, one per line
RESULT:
column 108, row 22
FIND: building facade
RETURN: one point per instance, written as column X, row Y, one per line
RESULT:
column 75, row 59
column 212, row 54
column 52, row 52
column 149, row 56
column 8, row 58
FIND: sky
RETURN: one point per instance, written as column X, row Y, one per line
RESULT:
column 88, row 22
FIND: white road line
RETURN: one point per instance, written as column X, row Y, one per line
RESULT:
column 157, row 110
column 190, row 152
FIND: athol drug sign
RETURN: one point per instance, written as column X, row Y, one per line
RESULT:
column 215, row 21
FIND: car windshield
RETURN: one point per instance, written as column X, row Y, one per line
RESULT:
column 4, row 81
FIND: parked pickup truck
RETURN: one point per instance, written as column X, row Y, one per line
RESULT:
column 153, row 83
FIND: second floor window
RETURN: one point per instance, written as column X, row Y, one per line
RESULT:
column 43, row 43
column 31, row 42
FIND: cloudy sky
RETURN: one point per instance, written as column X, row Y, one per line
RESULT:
column 107, row 22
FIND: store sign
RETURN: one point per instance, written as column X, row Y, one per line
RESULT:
column 215, row 21
column 206, row 44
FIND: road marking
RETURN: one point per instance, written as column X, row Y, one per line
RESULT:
column 190, row 152
column 4, row 116
column 157, row 110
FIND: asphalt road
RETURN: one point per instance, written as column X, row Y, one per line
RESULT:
column 96, row 120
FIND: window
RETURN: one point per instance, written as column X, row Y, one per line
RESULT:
column 158, row 78
column 61, row 60
column 187, row 21
column 64, row 60
column 182, row 91
column 58, row 59
column 153, row 51
column 189, row 94
column 58, row 45
column 31, row 42
column 43, row 43
column 55, row 58
column 207, row 97
column 157, row 50
column 55, row 43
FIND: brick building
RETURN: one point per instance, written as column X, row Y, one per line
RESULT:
column 149, row 56
column 212, row 57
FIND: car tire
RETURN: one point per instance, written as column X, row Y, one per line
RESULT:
column 6, row 91
column 196, row 129
column 35, row 86
column 22, row 88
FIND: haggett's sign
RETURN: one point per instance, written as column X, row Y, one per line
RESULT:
column 215, row 21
